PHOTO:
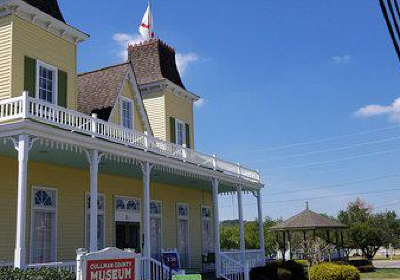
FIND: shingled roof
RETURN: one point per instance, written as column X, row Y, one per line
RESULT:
column 154, row 61
column 49, row 7
column 307, row 220
column 98, row 90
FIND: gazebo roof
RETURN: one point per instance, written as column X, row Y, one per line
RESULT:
column 307, row 220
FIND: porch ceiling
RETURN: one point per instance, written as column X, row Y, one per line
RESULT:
column 51, row 154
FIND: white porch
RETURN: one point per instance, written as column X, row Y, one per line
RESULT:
column 26, row 123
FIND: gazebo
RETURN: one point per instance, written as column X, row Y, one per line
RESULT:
column 306, row 222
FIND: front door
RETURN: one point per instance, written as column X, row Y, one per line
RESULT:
column 127, row 235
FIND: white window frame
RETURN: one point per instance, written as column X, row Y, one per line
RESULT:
column 206, row 219
column 180, row 122
column 184, row 218
column 158, row 216
column 52, row 68
column 87, row 218
column 54, row 210
column 132, row 115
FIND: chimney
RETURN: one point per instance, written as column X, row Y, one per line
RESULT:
column 154, row 61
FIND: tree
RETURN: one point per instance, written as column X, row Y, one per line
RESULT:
column 368, row 231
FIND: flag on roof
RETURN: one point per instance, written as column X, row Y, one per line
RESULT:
column 147, row 26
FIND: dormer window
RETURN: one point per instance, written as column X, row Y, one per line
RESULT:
column 126, row 113
column 46, row 81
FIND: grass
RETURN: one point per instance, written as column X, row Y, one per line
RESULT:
column 389, row 273
column 383, row 258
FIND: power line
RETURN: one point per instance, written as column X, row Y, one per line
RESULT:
column 390, row 28
column 332, row 161
column 320, row 197
column 346, row 147
column 321, row 140
column 338, row 185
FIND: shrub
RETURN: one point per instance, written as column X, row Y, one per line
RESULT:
column 366, row 269
column 270, row 271
column 40, row 274
column 284, row 274
column 303, row 262
column 331, row 271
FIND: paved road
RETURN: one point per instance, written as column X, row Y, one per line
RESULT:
column 387, row 264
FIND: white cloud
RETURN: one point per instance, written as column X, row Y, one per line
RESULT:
column 391, row 111
column 183, row 60
column 124, row 40
column 341, row 59
column 200, row 103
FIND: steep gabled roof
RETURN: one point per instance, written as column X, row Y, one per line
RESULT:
column 98, row 90
column 49, row 7
column 154, row 61
column 307, row 220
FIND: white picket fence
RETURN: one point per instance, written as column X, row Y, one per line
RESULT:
column 236, row 265
column 26, row 107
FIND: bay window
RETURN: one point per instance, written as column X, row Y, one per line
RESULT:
column 46, row 82
column 126, row 113
column 100, row 221
column 156, row 229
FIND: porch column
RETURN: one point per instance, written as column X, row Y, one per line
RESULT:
column 241, row 223
column 22, row 146
column 217, row 244
column 260, row 222
column 94, row 170
column 146, row 169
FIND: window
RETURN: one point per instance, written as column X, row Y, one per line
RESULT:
column 44, row 225
column 180, row 132
column 126, row 113
column 46, row 82
column 207, row 245
column 100, row 221
column 183, row 233
column 156, row 229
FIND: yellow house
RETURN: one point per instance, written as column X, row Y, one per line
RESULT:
column 121, row 138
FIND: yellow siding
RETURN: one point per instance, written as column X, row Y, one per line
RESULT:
column 115, row 117
column 71, row 185
column 32, row 41
column 155, row 107
column 179, row 108
column 5, row 57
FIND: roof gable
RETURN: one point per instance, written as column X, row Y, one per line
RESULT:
column 99, row 90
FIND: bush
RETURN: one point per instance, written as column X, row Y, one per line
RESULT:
column 304, row 263
column 275, row 269
column 284, row 274
column 360, row 262
column 366, row 269
column 40, row 274
column 331, row 271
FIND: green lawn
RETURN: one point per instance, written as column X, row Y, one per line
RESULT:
column 393, row 274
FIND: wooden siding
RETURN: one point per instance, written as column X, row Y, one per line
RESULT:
column 115, row 116
column 155, row 107
column 179, row 108
column 32, row 41
column 71, row 185
column 5, row 56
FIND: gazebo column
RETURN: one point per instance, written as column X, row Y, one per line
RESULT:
column 241, row 224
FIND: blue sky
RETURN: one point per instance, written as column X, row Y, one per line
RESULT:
column 273, row 74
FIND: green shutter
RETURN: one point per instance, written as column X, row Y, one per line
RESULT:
column 172, row 130
column 188, row 143
column 62, row 88
column 30, row 76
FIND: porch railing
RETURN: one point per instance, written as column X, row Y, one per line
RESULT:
column 232, row 269
column 155, row 270
column 43, row 112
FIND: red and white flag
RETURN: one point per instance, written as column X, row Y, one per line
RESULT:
column 147, row 26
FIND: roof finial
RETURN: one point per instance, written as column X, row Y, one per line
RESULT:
column 307, row 206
